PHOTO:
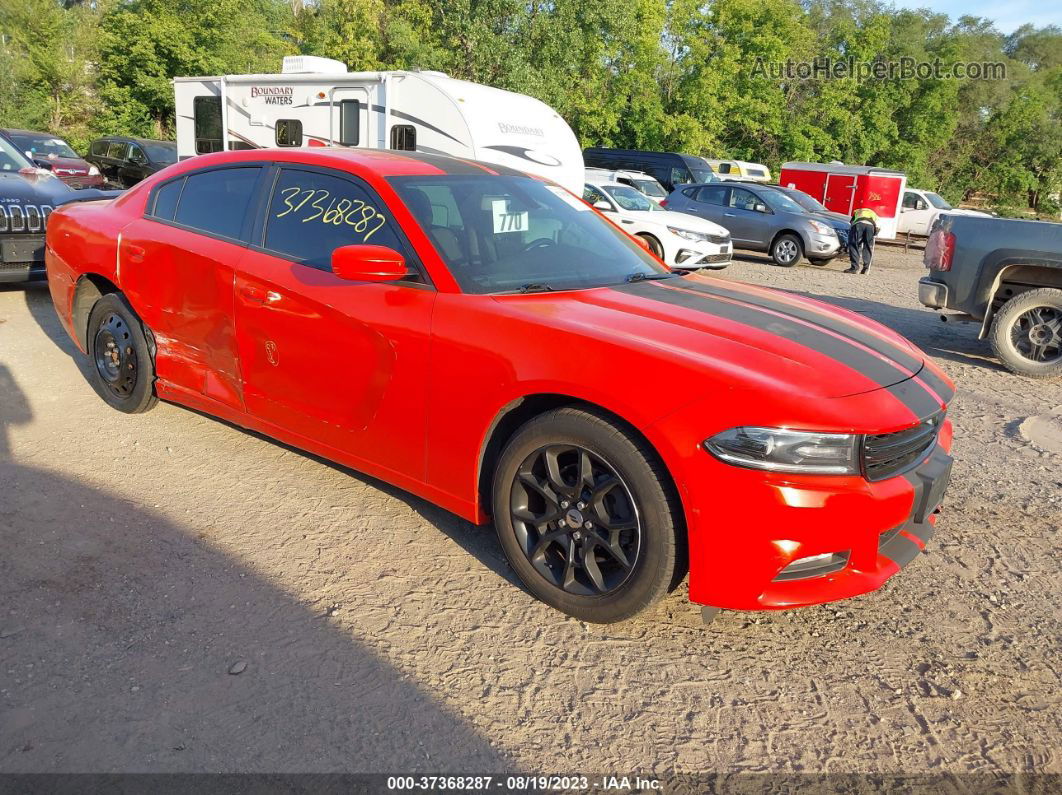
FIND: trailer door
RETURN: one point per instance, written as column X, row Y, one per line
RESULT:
column 349, row 116
column 840, row 193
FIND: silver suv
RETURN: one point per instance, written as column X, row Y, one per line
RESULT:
column 760, row 218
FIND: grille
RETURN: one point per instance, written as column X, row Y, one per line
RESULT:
column 887, row 454
column 24, row 218
column 720, row 239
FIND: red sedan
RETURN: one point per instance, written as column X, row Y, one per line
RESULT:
column 491, row 343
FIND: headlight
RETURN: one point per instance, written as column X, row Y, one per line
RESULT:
column 688, row 234
column 781, row 450
column 93, row 171
column 823, row 229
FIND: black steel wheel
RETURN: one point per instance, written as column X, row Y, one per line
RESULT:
column 587, row 515
column 123, row 370
column 1027, row 333
column 575, row 520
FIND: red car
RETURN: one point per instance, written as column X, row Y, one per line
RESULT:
column 488, row 341
column 55, row 155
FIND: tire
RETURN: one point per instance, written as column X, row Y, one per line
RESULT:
column 786, row 250
column 654, row 245
column 818, row 263
column 122, row 368
column 1027, row 333
column 551, row 559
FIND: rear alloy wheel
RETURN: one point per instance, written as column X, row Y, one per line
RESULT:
column 123, row 371
column 586, row 516
column 1027, row 333
column 787, row 250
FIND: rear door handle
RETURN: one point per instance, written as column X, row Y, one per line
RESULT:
column 260, row 296
column 729, row 215
column 136, row 253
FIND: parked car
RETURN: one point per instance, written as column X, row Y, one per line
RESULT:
column 740, row 169
column 1006, row 275
column 639, row 180
column 920, row 209
column 125, row 161
column 668, row 168
column 761, row 218
column 54, row 154
column 682, row 241
column 28, row 195
column 841, row 223
column 490, row 342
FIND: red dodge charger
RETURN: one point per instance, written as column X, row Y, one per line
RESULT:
column 488, row 341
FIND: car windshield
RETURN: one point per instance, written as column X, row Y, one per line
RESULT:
column 43, row 146
column 160, row 153
column 805, row 201
column 938, row 201
column 516, row 234
column 11, row 159
column 629, row 198
column 650, row 187
column 780, row 201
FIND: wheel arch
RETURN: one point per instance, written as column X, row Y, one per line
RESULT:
column 91, row 287
column 1015, row 278
column 789, row 231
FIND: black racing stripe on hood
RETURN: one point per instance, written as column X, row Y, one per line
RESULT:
column 449, row 165
column 852, row 356
column 937, row 384
column 836, row 325
column 913, row 395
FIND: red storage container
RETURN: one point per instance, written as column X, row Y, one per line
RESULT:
column 843, row 189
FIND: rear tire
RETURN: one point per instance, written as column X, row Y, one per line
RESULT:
column 786, row 250
column 615, row 555
column 120, row 359
column 1027, row 333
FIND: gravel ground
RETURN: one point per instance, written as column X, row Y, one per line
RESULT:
column 177, row 594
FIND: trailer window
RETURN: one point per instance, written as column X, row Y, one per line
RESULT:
column 289, row 132
column 206, row 115
column 350, row 122
column 404, row 136
column 723, row 168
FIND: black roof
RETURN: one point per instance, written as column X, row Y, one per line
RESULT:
column 17, row 131
column 130, row 138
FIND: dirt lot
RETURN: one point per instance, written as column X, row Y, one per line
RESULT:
column 179, row 595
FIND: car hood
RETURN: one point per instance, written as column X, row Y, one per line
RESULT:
column 837, row 220
column 737, row 335
column 680, row 220
column 35, row 187
column 69, row 166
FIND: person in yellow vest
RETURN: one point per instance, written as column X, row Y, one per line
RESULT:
column 861, row 239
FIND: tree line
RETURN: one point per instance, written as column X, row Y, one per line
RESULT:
column 697, row 76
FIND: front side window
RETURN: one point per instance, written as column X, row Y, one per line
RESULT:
column 289, row 132
column 216, row 201
column 910, row 201
column 938, row 201
column 510, row 234
column 117, row 150
column 404, row 136
column 680, row 176
column 311, row 214
column 743, row 199
column 206, row 115
column 136, row 155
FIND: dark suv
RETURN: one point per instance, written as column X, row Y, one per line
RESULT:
column 125, row 161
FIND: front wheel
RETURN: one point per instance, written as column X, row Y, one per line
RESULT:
column 587, row 516
column 654, row 245
column 122, row 367
column 787, row 250
column 1027, row 333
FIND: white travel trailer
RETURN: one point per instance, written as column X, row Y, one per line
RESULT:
column 317, row 102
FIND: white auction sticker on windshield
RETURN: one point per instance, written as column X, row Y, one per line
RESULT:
column 561, row 193
column 506, row 221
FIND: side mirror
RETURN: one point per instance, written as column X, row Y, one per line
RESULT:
column 367, row 263
column 920, row 205
column 603, row 205
column 760, row 208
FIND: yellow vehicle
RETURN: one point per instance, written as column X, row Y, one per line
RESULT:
column 739, row 169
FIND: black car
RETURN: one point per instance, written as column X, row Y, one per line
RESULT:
column 669, row 168
column 28, row 195
column 125, row 161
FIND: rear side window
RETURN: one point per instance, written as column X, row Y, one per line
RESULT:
column 711, row 195
column 99, row 148
column 216, row 201
column 117, row 150
column 289, row 132
column 166, row 200
column 311, row 214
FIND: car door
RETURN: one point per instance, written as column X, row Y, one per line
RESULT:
column 341, row 363
column 135, row 167
column 748, row 225
column 115, row 159
column 708, row 201
column 915, row 214
column 178, row 264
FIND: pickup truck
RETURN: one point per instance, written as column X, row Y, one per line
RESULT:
column 1007, row 275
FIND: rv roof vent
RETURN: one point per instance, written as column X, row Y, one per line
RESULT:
column 312, row 64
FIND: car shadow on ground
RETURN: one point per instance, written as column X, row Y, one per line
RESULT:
column 478, row 541
column 129, row 643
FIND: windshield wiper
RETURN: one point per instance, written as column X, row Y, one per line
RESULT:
column 642, row 277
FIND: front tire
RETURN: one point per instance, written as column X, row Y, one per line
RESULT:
column 587, row 516
column 1027, row 333
column 654, row 245
column 122, row 367
column 786, row 250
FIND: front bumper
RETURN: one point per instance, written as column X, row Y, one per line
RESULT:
column 932, row 293
column 692, row 255
column 21, row 258
column 821, row 246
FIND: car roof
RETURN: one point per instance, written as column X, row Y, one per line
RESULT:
column 135, row 140
column 17, row 131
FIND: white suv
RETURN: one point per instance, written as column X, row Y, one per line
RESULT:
column 682, row 241
column 639, row 180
